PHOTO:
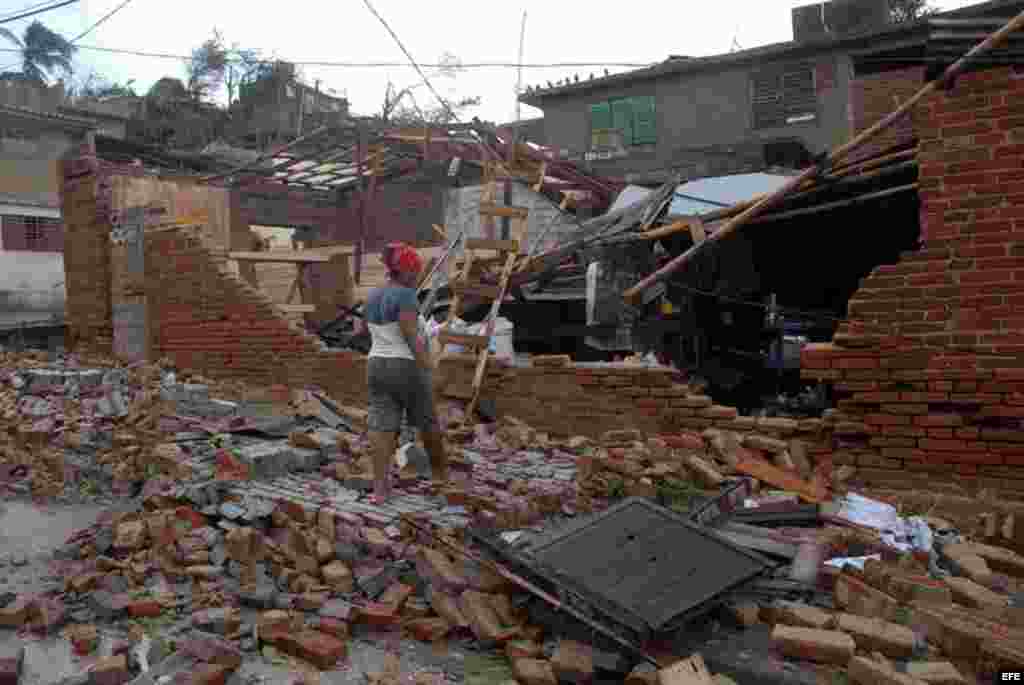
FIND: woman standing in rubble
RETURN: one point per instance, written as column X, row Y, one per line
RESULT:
column 399, row 369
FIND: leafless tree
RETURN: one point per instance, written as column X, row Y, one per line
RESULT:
column 207, row 67
column 401, row 108
column 909, row 10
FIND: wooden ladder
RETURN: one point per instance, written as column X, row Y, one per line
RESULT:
column 466, row 280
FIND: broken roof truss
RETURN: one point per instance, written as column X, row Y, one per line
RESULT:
column 334, row 158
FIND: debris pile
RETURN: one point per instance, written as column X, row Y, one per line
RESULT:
column 252, row 537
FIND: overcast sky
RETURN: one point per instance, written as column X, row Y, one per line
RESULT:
column 346, row 31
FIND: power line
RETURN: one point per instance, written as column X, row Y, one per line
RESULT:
column 102, row 19
column 360, row 65
column 28, row 8
column 39, row 10
column 412, row 61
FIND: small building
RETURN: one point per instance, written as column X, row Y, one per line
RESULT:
column 31, row 230
column 280, row 105
column 739, row 112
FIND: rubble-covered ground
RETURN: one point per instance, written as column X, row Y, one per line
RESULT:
column 158, row 528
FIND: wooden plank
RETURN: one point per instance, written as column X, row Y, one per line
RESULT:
column 490, row 292
column 297, row 308
column 281, row 257
column 485, row 244
column 491, row 209
column 697, row 232
column 481, row 367
column 783, row 479
column 540, row 179
column 478, row 341
column 692, row 671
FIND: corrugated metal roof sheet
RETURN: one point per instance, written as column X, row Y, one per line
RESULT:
column 61, row 118
column 628, row 196
column 708, row 194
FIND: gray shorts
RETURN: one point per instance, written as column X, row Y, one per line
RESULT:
column 398, row 386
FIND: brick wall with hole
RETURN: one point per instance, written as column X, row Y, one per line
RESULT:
column 929, row 365
column 210, row 321
column 874, row 96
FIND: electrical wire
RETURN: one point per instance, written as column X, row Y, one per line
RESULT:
column 102, row 19
column 793, row 313
column 370, row 65
column 39, row 10
column 79, row 37
column 27, row 8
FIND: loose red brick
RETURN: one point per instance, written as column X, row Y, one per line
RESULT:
column 823, row 646
column 322, row 650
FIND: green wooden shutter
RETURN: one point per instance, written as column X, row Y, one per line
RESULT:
column 645, row 125
column 600, row 116
column 600, row 123
column 622, row 119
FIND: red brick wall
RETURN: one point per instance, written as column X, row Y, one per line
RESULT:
column 208, row 320
column 930, row 364
column 590, row 400
column 86, row 208
column 874, row 96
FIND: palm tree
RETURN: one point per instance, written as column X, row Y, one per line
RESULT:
column 42, row 52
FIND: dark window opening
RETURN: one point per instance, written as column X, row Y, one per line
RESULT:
column 32, row 233
column 784, row 95
column 789, row 154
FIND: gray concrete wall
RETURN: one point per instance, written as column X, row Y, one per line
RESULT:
column 462, row 211
column 699, row 110
column 29, row 153
column 31, row 286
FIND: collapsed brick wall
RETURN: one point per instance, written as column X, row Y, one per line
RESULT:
column 207, row 319
column 930, row 363
column 874, row 96
column 87, row 209
column 589, row 400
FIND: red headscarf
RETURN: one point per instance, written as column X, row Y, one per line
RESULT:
column 401, row 258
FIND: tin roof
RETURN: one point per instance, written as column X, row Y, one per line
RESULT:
column 707, row 194
column 68, row 121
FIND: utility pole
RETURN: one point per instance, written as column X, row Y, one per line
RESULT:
column 519, row 77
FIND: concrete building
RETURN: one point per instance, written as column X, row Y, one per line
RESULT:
column 31, row 231
column 775, row 105
column 281, row 106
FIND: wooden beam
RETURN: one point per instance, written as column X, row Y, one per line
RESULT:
column 290, row 257
column 489, row 292
column 487, row 244
column 478, row 341
column 296, row 308
column 491, row 209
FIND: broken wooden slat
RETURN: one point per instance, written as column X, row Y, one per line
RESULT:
column 780, row 478
column 690, row 671
column 289, row 257
column 491, row 209
column 485, row 244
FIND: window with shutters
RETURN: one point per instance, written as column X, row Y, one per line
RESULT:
column 623, row 122
column 784, row 95
column 32, row 233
